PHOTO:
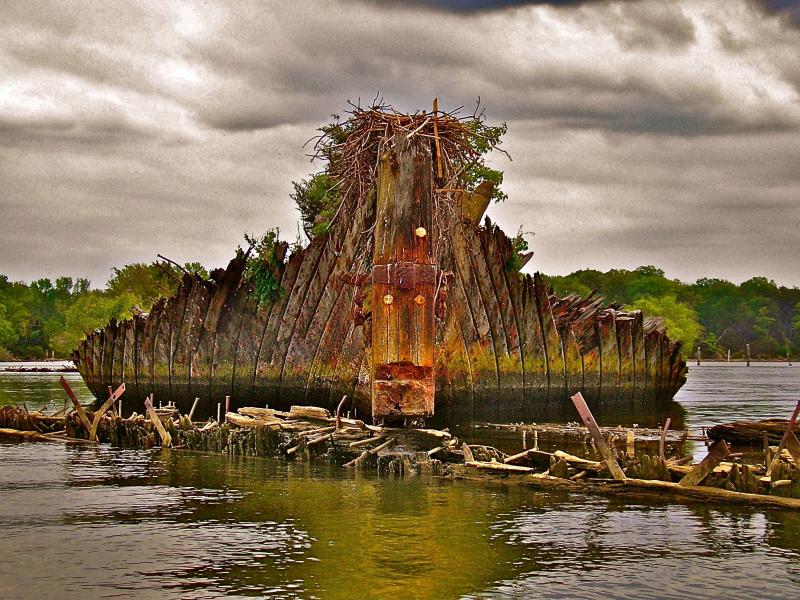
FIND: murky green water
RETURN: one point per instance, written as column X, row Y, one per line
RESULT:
column 102, row 523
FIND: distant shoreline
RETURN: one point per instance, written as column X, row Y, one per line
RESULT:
column 38, row 366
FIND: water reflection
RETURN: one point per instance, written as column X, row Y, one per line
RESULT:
column 100, row 522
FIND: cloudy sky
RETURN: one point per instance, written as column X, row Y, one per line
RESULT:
column 649, row 132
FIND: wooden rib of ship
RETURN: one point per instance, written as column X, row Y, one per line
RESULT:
column 406, row 305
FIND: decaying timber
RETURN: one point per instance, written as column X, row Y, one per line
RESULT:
column 313, row 434
column 406, row 304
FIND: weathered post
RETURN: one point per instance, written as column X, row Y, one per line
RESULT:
column 747, row 350
column 729, row 355
column 698, row 356
column 404, row 276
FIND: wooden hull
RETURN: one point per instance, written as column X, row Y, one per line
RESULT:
column 406, row 306
column 504, row 348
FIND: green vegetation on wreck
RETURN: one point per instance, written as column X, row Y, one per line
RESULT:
column 714, row 314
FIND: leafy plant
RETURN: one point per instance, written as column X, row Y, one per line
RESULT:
column 519, row 245
column 262, row 265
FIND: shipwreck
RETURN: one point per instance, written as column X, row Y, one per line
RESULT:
column 405, row 301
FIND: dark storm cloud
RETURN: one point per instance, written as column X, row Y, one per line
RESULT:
column 652, row 132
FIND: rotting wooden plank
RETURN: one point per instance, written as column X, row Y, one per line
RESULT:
column 716, row 453
column 161, row 353
column 793, row 446
column 225, row 344
column 553, row 350
column 496, row 266
column 488, row 301
column 180, row 328
column 572, row 360
column 166, row 438
column 609, row 352
column 454, row 364
column 177, row 332
column 203, row 359
column 79, row 356
column 639, row 358
column 597, row 436
column 350, row 358
column 335, row 310
column 483, row 359
column 246, row 348
column 147, row 354
column 652, row 352
column 139, row 324
column 663, row 368
column 533, row 351
column 98, row 414
column 107, row 345
column 303, row 342
column 97, row 362
column 676, row 366
column 592, row 367
column 77, row 405
column 297, row 297
column 787, row 434
column 197, row 315
column 255, row 321
column 624, row 325
column 118, row 368
column 265, row 376
column 496, row 255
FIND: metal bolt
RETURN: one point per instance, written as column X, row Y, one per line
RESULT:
column 421, row 232
column 388, row 299
column 420, row 300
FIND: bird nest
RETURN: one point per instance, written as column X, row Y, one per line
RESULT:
column 351, row 148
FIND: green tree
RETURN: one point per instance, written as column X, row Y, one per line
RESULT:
column 680, row 319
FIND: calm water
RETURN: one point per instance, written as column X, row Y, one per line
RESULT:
column 104, row 523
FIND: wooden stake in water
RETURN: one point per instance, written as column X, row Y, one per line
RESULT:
column 602, row 447
column 747, row 350
column 698, row 356
column 194, row 406
column 729, row 355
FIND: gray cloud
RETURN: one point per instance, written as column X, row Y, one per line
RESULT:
column 651, row 132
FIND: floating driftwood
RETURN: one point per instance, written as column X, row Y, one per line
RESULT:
column 406, row 304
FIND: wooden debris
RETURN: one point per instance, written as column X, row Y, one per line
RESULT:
column 33, row 436
column 591, row 425
column 370, row 452
column 166, row 438
column 309, row 412
column 367, row 441
column 499, row 467
column 716, row 453
column 789, row 426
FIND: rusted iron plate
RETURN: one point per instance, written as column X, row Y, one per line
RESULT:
column 403, row 390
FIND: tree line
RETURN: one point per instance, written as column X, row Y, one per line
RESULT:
column 45, row 317
column 712, row 314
